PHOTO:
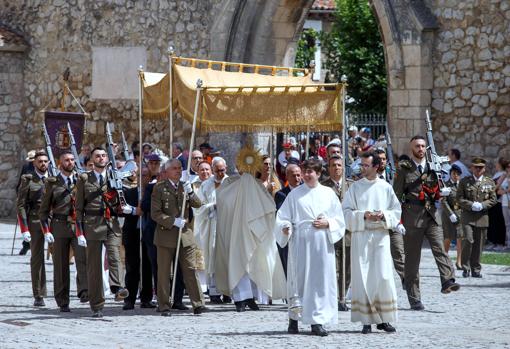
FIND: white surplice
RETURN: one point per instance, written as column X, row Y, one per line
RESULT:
column 245, row 244
column 311, row 269
column 374, row 297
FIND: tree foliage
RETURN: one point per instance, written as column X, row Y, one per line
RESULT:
column 306, row 48
column 354, row 47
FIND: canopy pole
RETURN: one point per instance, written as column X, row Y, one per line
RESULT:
column 185, row 197
column 307, row 146
column 271, row 158
column 342, row 95
column 171, row 105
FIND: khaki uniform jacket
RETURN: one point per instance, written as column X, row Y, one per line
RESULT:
column 166, row 205
column 90, row 208
column 450, row 204
column 57, row 199
column 407, row 186
column 338, row 191
column 29, row 198
column 470, row 191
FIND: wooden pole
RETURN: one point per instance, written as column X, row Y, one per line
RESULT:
column 183, row 208
column 307, row 146
column 342, row 95
column 171, row 107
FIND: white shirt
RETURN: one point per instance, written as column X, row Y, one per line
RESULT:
column 98, row 174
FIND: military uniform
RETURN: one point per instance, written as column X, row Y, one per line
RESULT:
column 58, row 199
column 338, row 248
column 450, row 205
column 93, row 221
column 418, row 191
column 28, row 203
column 166, row 205
column 474, row 224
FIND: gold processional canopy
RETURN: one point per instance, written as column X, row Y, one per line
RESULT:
column 243, row 99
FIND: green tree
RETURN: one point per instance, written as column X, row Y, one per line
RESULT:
column 305, row 52
column 354, row 47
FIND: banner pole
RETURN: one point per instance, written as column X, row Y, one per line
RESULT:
column 171, row 106
column 342, row 96
column 183, row 208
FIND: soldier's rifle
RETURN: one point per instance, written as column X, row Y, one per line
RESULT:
column 52, row 166
column 77, row 163
column 113, row 175
column 434, row 161
column 391, row 159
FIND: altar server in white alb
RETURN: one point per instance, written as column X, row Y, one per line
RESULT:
column 311, row 221
column 370, row 209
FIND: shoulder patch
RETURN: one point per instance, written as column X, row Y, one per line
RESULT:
column 84, row 176
column 51, row 180
column 406, row 164
column 27, row 176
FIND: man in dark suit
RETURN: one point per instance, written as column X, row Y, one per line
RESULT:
column 293, row 175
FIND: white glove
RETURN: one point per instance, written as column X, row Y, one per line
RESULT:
column 453, row 218
column 445, row 191
column 128, row 209
column 477, row 206
column 179, row 222
column 400, row 229
column 26, row 236
column 187, row 188
column 48, row 237
column 82, row 241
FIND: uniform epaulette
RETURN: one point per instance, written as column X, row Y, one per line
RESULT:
column 405, row 164
column 27, row 176
column 84, row 176
column 51, row 179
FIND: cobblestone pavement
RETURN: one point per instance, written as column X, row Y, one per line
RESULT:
column 475, row 317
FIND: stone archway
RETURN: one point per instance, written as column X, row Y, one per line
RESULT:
column 266, row 32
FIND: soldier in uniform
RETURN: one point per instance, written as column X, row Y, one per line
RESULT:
column 417, row 188
column 166, row 208
column 97, row 224
column 335, row 172
column 476, row 194
column 450, row 215
column 58, row 200
column 28, row 203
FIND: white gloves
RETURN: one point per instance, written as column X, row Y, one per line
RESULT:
column 179, row 222
column 453, row 218
column 400, row 229
column 187, row 188
column 48, row 237
column 26, row 236
column 445, row 191
column 82, row 241
column 477, row 206
column 128, row 209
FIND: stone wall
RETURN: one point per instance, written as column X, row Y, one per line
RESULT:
column 471, row 91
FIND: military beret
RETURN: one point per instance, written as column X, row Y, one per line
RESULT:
column 478, row 162
column 456, row 169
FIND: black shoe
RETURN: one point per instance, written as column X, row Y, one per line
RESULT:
column 227, row 299
column 251, row 304
column 148, row 305
column 450, row 286
column 215, row 299
column 459, row 267
column 475, row 274
column 179, row 306
column 65, row 309
column 465, row 273
column 39, row 302
column 97, row 314
column 386, row 327
column 417, row 306
column 165, row 313
column 240, row 306
column 293, row 327
column 84, row 297
column 128, row 306
column 342, row 307
column 366, row 329
column 199, row 310
column 24, row 250
column 121, row 294
column 318, row 330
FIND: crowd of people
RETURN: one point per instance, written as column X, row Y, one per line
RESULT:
column 296, row 229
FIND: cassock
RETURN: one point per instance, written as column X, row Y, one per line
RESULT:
column 373, row 293
column 311, row 268
column 246, row 257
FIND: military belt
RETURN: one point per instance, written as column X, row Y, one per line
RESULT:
column 97, row 213
column 61, row 217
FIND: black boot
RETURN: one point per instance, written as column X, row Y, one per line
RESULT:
column 318, row 330
column 366, row 329
column 215, row 299
column 385, row 326
column 227, row 299
column 251, row 304
column 240, row 306
column 293, row 327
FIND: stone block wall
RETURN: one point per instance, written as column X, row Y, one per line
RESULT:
column 471, row 89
